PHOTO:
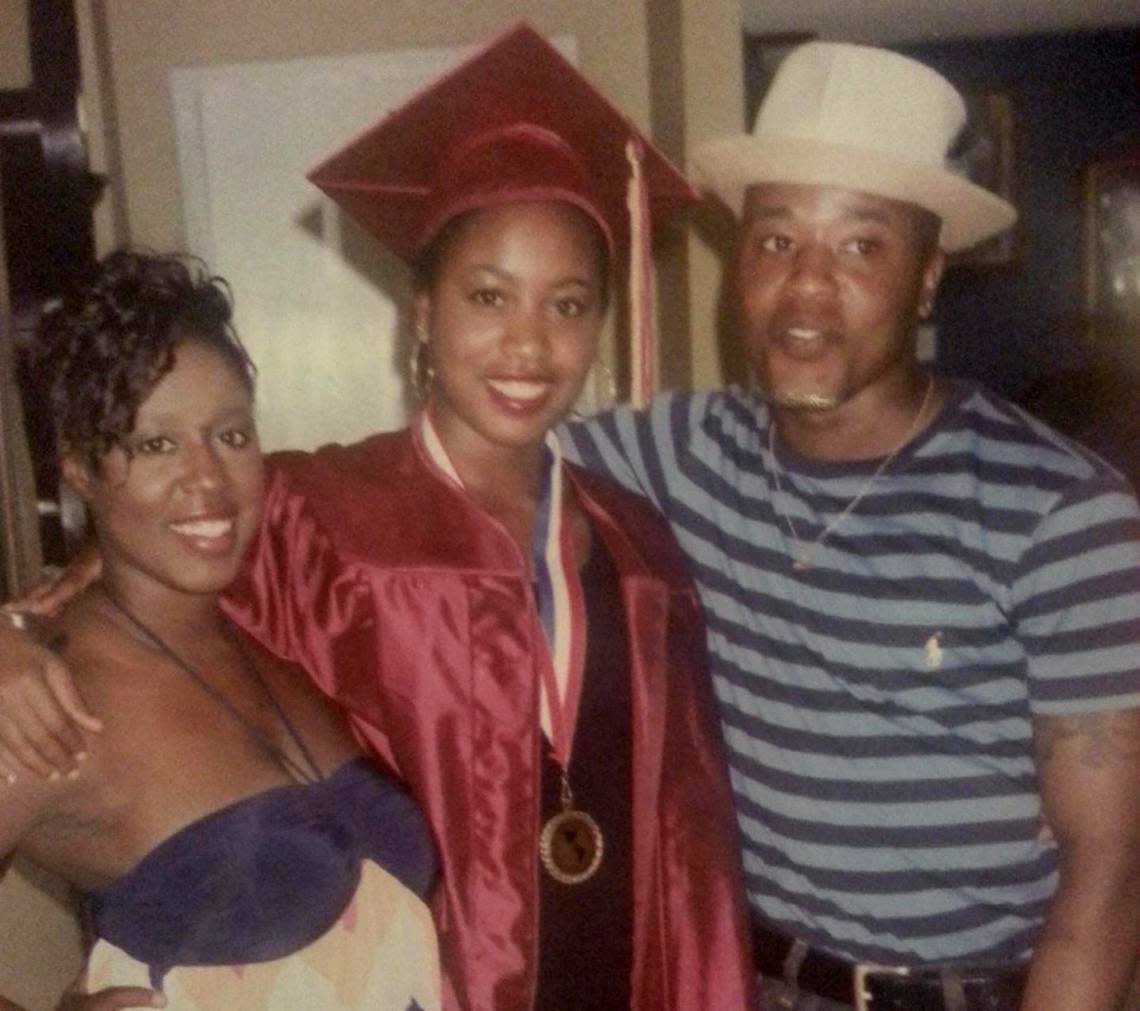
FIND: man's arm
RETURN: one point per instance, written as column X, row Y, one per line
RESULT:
column 1088, row 768
column 635, row 448
column 596, row 444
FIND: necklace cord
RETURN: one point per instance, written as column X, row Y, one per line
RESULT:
column 805, row 552
column 310, row 772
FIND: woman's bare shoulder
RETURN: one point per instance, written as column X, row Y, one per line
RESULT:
column 107, row 668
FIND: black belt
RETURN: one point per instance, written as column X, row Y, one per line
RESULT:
column 949, row 987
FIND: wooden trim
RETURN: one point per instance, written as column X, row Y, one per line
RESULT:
column 19, row 528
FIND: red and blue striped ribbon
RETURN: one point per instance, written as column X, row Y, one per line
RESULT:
column 559, row 601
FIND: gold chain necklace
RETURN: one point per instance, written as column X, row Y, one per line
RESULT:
column 804, row 552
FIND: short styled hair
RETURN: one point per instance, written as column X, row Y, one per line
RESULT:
column 104, row 348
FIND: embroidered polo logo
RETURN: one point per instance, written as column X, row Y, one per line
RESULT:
column 933, row 651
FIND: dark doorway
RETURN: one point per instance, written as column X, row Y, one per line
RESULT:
column 48, row 194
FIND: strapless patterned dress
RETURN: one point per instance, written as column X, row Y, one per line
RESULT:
column 302, row 897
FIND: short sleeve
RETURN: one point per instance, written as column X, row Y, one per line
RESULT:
column 632, row 447
column 1076, row 601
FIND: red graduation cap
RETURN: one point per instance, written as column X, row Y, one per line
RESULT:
column 514, row 122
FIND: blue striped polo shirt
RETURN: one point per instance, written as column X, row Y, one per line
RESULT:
column 876, row 706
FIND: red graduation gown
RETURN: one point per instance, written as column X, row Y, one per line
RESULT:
column 412, row 608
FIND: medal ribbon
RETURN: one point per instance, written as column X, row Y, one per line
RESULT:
column 557, row 589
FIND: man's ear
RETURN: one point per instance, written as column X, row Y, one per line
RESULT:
column 932, row 276
column 928, row 285
column 77, row 473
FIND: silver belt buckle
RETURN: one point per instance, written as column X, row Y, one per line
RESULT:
column 865, row 969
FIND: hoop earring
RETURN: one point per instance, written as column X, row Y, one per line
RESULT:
column 605, row 385
column 599, row 392
column 421, row 371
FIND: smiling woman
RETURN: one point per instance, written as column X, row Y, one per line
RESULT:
column 135, row 430
column 192, row 430
column 284, row 854
column 528, row 650
column 511, row 317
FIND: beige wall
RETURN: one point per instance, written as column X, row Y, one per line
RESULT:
column 15, row 60
column 696, row 93
column 147, row 39
column 40, row 950
column 714, row 107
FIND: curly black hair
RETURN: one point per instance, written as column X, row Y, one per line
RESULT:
column 101, row 352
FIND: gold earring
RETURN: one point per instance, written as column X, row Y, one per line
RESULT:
column 421, row 371
column 605, row 385
column 926, row 307
column 599, row 392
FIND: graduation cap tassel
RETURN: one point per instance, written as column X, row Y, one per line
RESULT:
column 643, row 342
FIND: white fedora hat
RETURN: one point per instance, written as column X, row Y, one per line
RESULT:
column 858, row 118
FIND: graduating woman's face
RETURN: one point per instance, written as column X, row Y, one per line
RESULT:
column 513, row 317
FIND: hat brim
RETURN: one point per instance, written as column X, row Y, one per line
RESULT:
column 969, row 213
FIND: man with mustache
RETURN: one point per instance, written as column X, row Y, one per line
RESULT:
column 923, row 605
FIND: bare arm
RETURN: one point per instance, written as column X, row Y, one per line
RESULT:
column 49, row 596
column 1089, row 771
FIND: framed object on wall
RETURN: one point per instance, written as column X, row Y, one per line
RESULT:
column 986, row 154
column 1112, row 248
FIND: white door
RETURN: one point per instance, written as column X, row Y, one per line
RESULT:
column 317, row 299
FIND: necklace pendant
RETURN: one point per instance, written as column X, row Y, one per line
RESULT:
column 571, row 844
column 801, row 563
column 571, row 847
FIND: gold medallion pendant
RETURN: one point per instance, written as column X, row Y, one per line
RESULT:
column 571, row 847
